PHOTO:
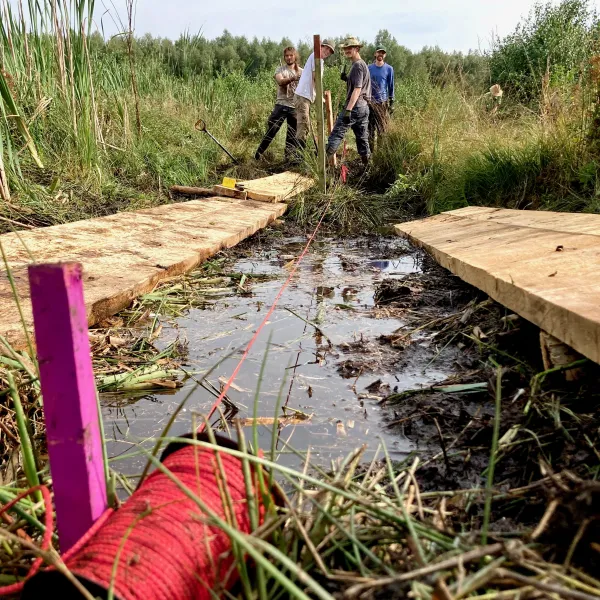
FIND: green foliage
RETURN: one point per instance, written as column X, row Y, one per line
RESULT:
column 536, row 175
column 557, row 39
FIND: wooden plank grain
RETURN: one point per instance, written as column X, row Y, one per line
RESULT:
column 127, row 254
column 541, row 265
column 276, row 188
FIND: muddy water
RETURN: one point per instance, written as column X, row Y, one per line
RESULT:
column 323, row 375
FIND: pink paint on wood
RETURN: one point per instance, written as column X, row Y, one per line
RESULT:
column 69, row 392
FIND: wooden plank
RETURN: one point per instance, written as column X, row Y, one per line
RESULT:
column 329, row 115
column 127, row 254
column 276, row 188
column 221, row 190
column 69, row 391
column 263, row 196
column 321, row 164
column 565, row 222
column 544, row 266
column 191, row 191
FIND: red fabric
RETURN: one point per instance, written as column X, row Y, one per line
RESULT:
column 161, row 541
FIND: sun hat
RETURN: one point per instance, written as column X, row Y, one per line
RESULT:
column 496, row 91
column 328, row 44
column 351, row 42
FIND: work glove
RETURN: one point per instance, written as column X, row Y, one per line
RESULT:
column 391, row 106
column 346, row 118
column 343, row 75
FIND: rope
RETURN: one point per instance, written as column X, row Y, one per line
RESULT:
column 160, row 544
column 264, row 321
column 16, row 588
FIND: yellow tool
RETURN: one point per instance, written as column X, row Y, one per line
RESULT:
column 228, row 182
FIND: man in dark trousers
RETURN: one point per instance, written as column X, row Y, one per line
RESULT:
column 382, row 101
column 356, row 107
column 286, row 77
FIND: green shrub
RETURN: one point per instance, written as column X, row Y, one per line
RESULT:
column 554, row 38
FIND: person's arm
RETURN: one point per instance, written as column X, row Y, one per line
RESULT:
column 353, row 98
column 391, row 85
column 281, row 80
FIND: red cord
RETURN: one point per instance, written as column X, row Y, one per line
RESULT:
column 264, row 321
column 15, row 588
column 160, row 545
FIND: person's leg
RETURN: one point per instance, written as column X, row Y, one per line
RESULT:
column 290, row 138
column 372, row 124
column 302, row 119
column 385, row 118
column 274, row 123
column 337, row 135
column 360, row 127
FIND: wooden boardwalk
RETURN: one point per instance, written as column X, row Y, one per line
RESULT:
column 127, row 254
column 544, row 266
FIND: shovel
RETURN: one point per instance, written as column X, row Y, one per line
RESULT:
column 201, row 126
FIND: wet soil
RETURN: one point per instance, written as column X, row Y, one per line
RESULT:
column 374, row 342
column 322, row 349
column 548, row 425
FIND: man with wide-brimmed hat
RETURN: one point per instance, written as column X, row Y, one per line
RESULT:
column 355, row 115
column 382, row 101
column 306, row 93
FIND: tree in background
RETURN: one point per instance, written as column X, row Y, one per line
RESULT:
column 554, row 39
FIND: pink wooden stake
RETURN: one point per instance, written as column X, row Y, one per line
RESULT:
column 69, row 392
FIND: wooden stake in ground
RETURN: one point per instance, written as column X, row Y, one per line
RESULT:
column 69, row 392
column 320, row 115
column 329, row 115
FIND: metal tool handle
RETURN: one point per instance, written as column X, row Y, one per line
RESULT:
column 201, row 126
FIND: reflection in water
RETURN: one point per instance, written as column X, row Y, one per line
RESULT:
column 319, row 323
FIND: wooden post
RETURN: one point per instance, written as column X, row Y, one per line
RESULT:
column 320, row 115
column 69, row 392
column 329, row 116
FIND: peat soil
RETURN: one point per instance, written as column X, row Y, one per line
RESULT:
column 402, row 351
column 547, row 457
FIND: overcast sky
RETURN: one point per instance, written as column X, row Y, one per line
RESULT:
column 450, row 24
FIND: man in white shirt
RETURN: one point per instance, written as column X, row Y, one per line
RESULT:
column 306, row 93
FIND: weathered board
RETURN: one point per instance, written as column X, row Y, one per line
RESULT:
column 545, row 266
column 276, row 188
column 127, row 254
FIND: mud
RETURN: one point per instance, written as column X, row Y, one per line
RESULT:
column 374, row 342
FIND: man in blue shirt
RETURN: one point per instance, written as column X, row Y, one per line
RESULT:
column 382, row 97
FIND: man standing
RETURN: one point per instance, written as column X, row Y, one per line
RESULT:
column 382, row 104
column 286, row 77
column 305, row 92
column 356, row 112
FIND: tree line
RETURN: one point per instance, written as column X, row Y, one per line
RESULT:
column 554, row 44
column 193, row 55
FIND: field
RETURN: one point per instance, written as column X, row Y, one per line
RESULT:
column 504, row 504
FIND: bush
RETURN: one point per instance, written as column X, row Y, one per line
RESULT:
column 554, row 38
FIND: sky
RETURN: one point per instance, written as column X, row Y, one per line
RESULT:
column 450, row 24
